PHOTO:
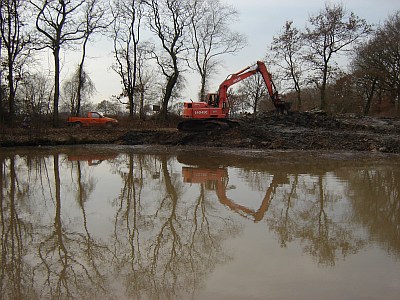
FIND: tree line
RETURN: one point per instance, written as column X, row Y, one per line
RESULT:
column 171, row 37
column 337, row 63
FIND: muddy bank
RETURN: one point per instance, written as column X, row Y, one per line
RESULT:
column 16, row 137
column 298, row 131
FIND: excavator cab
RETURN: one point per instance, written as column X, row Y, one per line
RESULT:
column 213, row 100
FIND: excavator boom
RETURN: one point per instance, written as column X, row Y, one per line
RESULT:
column 245, row 73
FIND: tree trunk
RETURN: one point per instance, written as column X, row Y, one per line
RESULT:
column 131, row 104
column 141, row 108
column 132, row 100
column 370, row 96
column 168, row 93
column 299, row 102
column 1, row 88
column 56, row 53
column 1, row 103
column 323, row 88
column 11, row 96
column 80, row 78
column 202, row 95
column 298, row 93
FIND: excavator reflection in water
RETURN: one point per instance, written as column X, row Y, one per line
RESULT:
column 217, row 179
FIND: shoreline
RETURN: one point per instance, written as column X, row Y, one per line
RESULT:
column 300, row 131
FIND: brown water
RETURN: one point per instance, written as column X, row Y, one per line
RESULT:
column 97, row 222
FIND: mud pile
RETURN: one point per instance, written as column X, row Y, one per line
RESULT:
column 298, row 131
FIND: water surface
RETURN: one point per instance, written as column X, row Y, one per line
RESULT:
column 110, row 222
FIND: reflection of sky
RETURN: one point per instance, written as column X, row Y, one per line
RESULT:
column 100, row 208
column 261, row 267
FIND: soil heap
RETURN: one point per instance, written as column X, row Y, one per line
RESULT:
column 313, row 130
column 300, row 131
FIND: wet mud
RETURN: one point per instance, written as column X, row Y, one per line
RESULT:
column 297, row 131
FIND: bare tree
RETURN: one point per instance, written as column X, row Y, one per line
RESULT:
column 95, row 20
column 367, row 73
column 34, row 95
column 60, row 24
column 253, row 89
column 288, row 55
column 126, row 36
column 388, row 37
column 331, row 32
column 145, row 78
column 376, row 64
column 169, row 20
column 77, row 90
column 15, row 40
column 109, row 107
column 212, row 37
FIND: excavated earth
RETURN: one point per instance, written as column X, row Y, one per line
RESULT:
column 297, row 131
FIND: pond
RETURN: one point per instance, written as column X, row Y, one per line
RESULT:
column 119, row 222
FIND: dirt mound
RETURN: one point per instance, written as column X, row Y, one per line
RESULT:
column 298, row 131
column 301, row 131
column 321, row 120
column 295, row 119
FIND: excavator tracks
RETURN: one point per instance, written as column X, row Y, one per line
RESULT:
column 201, row 125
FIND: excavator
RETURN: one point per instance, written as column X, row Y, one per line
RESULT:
column 214, row 112
column 218, row 178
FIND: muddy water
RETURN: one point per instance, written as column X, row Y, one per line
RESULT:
column 158, row 223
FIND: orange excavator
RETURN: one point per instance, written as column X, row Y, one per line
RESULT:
column 214, row 112
column 218, row 179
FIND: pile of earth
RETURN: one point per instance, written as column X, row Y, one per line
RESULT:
column 300, row 131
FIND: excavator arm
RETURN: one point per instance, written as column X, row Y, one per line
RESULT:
column 245, row 73
column 219, row 176
column 268, row 81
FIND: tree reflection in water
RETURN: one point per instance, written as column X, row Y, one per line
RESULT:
column 308, row 207
column 169, row 234
column 312, row 218
column 169, row 245
column 375, row 195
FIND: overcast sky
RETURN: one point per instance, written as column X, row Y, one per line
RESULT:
column 259, row 20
